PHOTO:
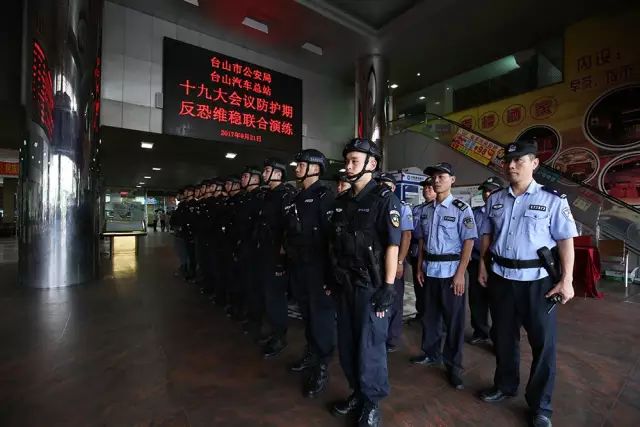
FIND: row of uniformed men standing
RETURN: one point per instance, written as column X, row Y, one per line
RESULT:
column 346, row 256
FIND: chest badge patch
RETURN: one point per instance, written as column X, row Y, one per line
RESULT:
column 394, row 215
column 498, row 206
column 541, row 208
column 449, row 218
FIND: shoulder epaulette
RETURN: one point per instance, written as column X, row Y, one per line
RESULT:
column 460, row 204
column 382, row 190
column 554, row 192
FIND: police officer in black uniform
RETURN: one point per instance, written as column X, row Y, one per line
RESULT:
column 200, row 235
column 209, row 214
column 307, row 251
column 343, row 183
column 225, row 229
column 187, row 226
column 270, row 269
column 179, row 243
column 249, row 306
column 365, row 228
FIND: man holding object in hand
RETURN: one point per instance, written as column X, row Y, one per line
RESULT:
column 523, row 218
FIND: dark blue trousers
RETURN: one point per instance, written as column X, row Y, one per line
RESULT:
column 318, row 309
column 478, row 303
column 274, row 281
column 362, row 338
column 515, row 304
column 395, row 313
column 440, row 304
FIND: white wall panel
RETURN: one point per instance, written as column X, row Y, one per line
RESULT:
column 138, row 32
column 137, row 81
column 136, row 117
column 111, row 113
column 112, row 76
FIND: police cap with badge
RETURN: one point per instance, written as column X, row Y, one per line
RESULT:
column 520, row 148
column 492, row 184
column 442, row 167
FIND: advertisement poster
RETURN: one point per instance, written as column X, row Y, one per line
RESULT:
column 588, row 126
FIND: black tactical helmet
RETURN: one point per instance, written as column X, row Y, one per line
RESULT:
column 276, row 163
column 312, row 156
column 253, row 170
column 341, row 177
column 363, row 146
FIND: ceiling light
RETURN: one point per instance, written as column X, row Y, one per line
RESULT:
column 448, row 88
column 437, row 102
column 193, row 2
column 142, row 183
column 138, row 186
column 393, row 86
column 147, row 145
column 147, row 177
column 418, row 74
column 156, row 169
column 230, row 155
column 312, row 48
column 422, row 97
column 293, row 164
column 342, row 170
column 256, row 25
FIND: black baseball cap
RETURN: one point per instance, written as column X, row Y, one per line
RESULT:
column 492, row 183
column 440, row 167
column 427, row 181
column 520, row 148
column 386, row 177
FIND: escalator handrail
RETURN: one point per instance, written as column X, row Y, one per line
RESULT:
column 580, row 184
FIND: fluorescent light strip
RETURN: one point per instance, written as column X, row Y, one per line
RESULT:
column 293, row 164
column 394, row 86
column 157, row 169
column 312, row 48
column 146, row 145
column 230, row 155
column 147, row 177
column 256, row 25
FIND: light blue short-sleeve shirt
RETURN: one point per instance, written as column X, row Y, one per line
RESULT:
column 406, row 217
column 520, row 225
column 444, row 227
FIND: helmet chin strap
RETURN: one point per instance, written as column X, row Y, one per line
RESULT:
column 307, row 174
column 270, row 179
column 355, row 178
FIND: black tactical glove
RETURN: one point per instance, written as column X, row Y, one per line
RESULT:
column 383, row 297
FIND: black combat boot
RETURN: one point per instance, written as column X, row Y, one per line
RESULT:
column 370, row 415
column 275, row 347
column 317, row 383
column 307, row 361
column 351, row 406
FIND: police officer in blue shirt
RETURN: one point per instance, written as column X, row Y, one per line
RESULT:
column 429, row 196
column 446, row 233
column 406, row 227
column 365, row 229
column 478, row 294
column 524, row 218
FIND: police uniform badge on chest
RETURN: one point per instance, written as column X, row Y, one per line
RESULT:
column 541, row 208
column 449, row 218
column 394, row 215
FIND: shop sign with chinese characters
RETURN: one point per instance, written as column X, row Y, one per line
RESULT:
column 212, row 96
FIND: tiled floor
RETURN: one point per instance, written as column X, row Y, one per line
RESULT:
column 140, row 348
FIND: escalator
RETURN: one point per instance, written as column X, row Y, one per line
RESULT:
column 595, row 212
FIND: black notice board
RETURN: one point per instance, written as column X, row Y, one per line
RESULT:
column 209, row 95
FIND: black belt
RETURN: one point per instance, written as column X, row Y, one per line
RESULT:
column 516, row 263
column 443, row 257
